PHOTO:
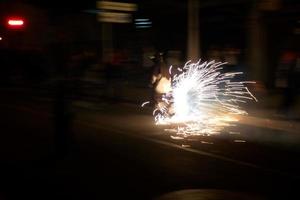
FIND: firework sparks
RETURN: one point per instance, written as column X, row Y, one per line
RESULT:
column 203, row 100
column 145, row 103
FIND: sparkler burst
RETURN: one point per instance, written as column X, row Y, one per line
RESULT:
column 203, row 99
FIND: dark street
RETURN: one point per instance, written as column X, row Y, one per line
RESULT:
column 116, row 151
column 158, row 100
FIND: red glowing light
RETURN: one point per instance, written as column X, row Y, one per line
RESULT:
column 15, row 22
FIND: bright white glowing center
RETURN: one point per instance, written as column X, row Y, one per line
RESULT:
column 203, row 100
column 181, row 100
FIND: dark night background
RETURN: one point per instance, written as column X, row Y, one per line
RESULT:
column 72, row 85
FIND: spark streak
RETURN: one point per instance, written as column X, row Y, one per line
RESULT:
column 145, row 103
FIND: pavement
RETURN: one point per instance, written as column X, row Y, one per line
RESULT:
column 261, row 114
column 93, row 93
column 115, row 152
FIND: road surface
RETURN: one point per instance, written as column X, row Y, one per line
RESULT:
column 115, row 151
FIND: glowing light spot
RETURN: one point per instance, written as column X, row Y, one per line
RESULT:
column 15, row 22
column 202, row 100
column 239, row 141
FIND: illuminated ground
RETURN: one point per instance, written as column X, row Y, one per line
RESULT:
column 117, row 152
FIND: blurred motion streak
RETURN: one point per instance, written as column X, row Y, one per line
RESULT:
column 109, row 5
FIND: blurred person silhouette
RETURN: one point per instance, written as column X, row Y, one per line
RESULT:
column 147, row 52
column 160, row 80
column 288, row 74
column 174, row 58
